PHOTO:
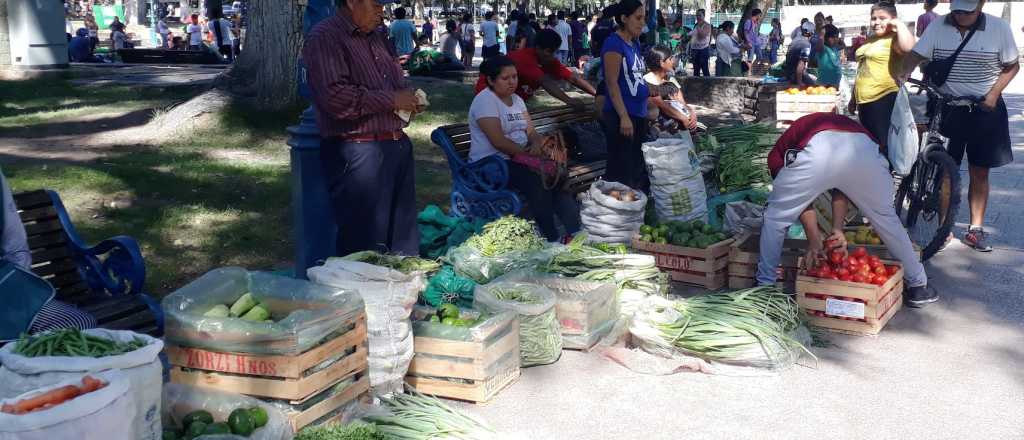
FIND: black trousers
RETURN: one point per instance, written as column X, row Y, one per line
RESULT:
column 625, row 158
column 545, row 204
column 372, row 188
column 876, row 116
column 701, row 59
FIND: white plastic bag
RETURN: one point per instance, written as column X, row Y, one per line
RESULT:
column 607, row 219
column 97, row 415
column 180, row 400
column 677, row 184
column 743, row 216
column 540, row 335
column 903, row 145
column 389, row 296
column 142, row 368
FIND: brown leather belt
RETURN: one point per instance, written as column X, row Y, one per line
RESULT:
column 375, row 137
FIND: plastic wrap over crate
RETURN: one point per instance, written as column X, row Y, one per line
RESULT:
column 304, row 312
column 587, row 310
column 540, row 340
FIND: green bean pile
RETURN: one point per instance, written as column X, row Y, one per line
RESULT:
column 540, row 336
column 72, row 342
column 504, row 235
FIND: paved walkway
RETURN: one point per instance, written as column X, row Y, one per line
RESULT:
column 954, row 370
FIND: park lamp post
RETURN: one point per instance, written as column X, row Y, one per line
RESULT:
column 313, row 228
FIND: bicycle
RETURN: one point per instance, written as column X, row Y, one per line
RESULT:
column 927, row 200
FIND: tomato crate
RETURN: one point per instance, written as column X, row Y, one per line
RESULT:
column 848, row 307
column 744, row 256
column 471, row 364
column 708, row 267
column 294, row 378
column 792, row 107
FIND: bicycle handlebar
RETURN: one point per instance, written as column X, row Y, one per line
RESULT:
column 950, row 99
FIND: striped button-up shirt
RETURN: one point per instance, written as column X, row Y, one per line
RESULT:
column 353, row 77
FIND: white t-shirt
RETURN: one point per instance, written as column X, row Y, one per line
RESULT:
column 564, row 31
column 119, row 39
column 978, row 66
column 468, row 31
column 161, row 28
column 696, row 42
column 726, row 48
column 489, row 29
column 195, row 35
column 513, row 123
column 225, row 31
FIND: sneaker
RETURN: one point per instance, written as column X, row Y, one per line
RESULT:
column 945, row 244
column 920, row 296
column 975, row 238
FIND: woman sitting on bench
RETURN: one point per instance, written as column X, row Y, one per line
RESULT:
column 499, row 124
column 14, row 249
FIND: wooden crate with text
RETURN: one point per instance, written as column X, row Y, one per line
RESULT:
column 708, row 267
column 744, row 256
column 474, row 370
column 304, row 381
column 790, row 107
column 847, row 307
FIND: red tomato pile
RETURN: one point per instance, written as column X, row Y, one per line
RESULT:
column 858, row 267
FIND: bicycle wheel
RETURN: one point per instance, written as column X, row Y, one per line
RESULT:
column 927, row 204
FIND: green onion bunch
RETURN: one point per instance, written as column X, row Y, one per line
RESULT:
column 415, row 416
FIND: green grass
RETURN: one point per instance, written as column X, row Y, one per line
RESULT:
column 214, row 198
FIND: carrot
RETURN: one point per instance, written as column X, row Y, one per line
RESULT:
column 54, row 396
column 90, row 384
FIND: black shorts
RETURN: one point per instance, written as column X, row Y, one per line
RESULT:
column 491, row 51
column 984, row 136
column 876, row 116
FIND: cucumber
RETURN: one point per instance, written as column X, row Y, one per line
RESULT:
column 242, row 305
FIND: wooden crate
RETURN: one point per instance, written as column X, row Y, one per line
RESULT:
column 708, row 268
column 277, row 377
column 466, row 370
column 586, row 310
column 852, row 308
column 744, row 256
column 792, row 107
column 313, row 413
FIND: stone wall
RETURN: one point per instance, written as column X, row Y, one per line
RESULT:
column 5, row 43
column 748, row 97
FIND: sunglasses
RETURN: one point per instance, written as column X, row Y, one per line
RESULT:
column 959, row 12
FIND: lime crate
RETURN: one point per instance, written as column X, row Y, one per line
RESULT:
column 708, row 267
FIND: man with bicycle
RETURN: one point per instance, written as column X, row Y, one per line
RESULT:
column 985, row 61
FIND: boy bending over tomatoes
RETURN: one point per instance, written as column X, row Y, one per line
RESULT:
column 826, row 151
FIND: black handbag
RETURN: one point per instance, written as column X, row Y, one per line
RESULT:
column 938, row 71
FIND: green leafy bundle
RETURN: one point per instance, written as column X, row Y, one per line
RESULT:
column 506, row 234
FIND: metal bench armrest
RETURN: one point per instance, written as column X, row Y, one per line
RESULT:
column 115, row 265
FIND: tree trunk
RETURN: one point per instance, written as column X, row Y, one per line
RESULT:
column 266, row 70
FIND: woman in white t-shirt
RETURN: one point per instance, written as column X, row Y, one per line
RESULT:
column 500, row 125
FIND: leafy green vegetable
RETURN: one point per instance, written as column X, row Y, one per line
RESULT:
column 506, row 234
column 335, row 431
column 418, row 417
column 397, row 262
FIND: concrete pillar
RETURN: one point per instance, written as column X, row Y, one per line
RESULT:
column 5, row 41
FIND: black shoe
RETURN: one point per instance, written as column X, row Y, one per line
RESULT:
column 920, row 296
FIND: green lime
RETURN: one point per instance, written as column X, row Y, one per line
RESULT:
column 197, row 416
column 241, row 422
column 259, row 416
column 195, row 429
column 217, row 428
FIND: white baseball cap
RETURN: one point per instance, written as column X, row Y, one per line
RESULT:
column 964, row 5
column 808, row 27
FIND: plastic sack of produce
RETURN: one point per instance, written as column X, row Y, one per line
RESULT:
column 98, row 414
column 186, row 405
column 612, row 212
column 540, row 336
column 439, row 231
column 141, row 366
column 389, row 296
column 676, row 181
column 297, row 314
column 746, row 332
column 586, row 310
column 504, row 245
column 743, row 217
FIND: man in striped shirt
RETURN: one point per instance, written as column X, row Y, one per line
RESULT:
column 982, row 70
column 357, row 86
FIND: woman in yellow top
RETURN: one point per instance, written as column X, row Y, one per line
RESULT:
column 878, row 67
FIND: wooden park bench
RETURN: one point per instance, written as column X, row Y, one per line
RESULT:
column 480, row 189
column 105, row 280
column 168, row 56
